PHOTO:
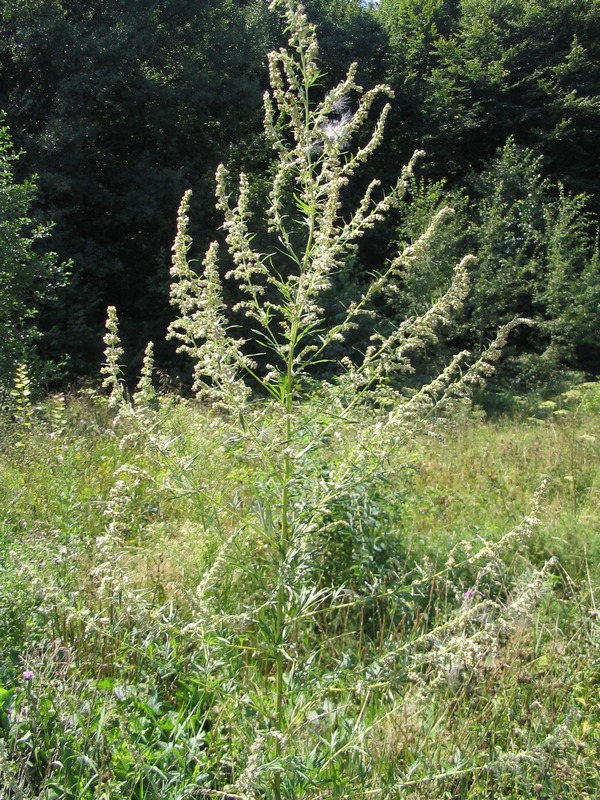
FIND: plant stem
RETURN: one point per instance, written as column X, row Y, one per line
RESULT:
column 284, row 545
column 288, row 470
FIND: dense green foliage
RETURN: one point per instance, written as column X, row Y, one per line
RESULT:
column 536, row 256
column 477, row 72
column 119, row 107
column 28, row 275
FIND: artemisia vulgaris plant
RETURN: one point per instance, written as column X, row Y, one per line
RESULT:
column 262, row 382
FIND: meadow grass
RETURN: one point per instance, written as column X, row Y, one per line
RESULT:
column 134, row 663
column 477, row 480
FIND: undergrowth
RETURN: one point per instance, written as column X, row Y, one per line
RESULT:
column 429, row 676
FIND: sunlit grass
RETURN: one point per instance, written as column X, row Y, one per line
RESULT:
column 136, row 697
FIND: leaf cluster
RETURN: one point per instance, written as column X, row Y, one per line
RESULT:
column 29, row 275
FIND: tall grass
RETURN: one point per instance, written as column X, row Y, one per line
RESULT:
column 439, row 672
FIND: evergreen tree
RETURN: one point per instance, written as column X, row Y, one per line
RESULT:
column 537, row 257
column 471, row 74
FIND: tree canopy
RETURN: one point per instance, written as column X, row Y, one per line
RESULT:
column 119, row 107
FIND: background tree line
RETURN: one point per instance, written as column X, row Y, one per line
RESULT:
column 118, row 107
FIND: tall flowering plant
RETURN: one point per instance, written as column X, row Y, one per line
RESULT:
column 284, row 294
column 283, row 291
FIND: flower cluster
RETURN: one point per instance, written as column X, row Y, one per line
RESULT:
column 111, row 369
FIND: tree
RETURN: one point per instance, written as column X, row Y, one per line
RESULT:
column 537, row 257
column 29, row 276
column 523, row 69
column 469, row 75
column 119, row 106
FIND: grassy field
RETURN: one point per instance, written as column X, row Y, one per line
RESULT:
column 435, row 634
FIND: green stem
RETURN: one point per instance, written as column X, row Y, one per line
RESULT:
column 288, row 472
column 284, row 545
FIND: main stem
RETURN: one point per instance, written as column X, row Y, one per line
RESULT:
column 284, row 545
column 286, row 533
